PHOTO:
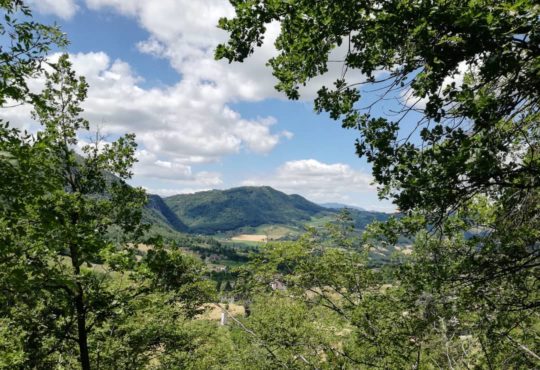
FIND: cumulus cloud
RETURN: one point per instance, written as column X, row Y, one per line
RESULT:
column 185, row 124
column 189, row 122
column 185, row 33
column 318, row 181
column 64, row 9
column 149, row 166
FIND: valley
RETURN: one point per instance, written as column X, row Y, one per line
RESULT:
column 245, row 210
column 223, row 227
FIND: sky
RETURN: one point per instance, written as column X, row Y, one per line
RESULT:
column 203, row 124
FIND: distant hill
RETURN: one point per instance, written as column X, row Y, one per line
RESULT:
column 209, row 212
column 158, row 214
column 224, row 210
column 340, row 206
column 363, row 218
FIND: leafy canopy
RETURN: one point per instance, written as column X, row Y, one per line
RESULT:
column 470, row 68
column 465, row 174
column 71, row 296
column 26, row 46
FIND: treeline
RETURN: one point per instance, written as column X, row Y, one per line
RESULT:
column 203, row 246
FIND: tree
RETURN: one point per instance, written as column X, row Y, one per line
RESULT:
column 65, row 280
column 152, row 319
column 64, row 222
column 473, row 63
column 459, row 157
column 433, row 309
column 23, row 54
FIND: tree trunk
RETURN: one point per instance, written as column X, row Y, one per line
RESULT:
column 82, row 337
column 81, row 326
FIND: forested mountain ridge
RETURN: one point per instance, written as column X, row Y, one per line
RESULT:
column 159, row 214
column 223, row 210
column 213, row 211
column 340, row 206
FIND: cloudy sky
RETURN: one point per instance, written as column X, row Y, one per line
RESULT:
column 202, row 124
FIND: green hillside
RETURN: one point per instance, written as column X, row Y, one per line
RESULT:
column 243, row 209
column 364, row 218
column 224, row 210
column 159, row 215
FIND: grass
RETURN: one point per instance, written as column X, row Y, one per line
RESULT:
column 250, row 238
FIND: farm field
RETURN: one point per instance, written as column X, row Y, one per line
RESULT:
column 250, row 238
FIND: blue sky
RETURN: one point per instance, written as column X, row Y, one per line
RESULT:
column 203, row 124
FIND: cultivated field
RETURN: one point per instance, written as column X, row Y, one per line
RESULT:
column 250, row 238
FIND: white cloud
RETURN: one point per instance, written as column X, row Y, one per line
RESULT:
column 320, row 182
column 150, row 167
column 287, row 134
column 189, row 122
column 64, row 9
column 184, row 124
column 152, row 47
column 317, row 181
column 185, row 33
column 166, row 192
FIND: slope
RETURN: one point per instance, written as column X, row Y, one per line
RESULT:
column 159, row 215
column 224, row 210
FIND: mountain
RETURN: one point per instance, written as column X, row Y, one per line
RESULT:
column 224, row 210
column 363, row 218
column 209, row 212
column 158, row 214
column 340, row 206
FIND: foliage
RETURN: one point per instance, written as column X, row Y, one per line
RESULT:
column 473, row 63
column 464, row 296
column 68, row 291
column 151, row 321
column 27, row 44
column 60, row 226
column 424, row 312
column 465, row 173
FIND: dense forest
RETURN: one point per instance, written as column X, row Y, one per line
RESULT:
column 215, row 211
column 86, row 284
